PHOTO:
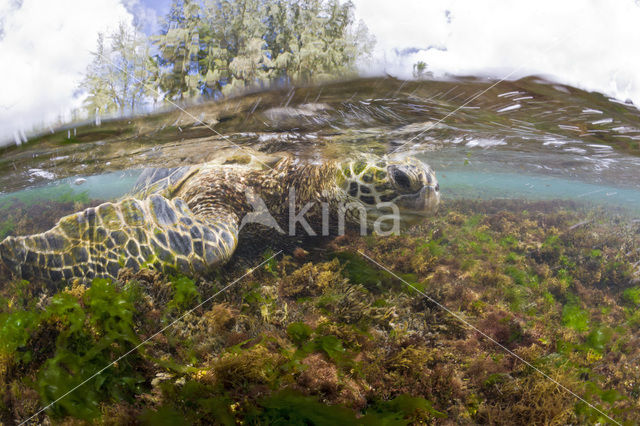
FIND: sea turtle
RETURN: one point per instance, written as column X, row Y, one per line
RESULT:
column 189, row 219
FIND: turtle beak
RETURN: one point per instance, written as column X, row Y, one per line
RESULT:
column 423, row 202
column 431, row 197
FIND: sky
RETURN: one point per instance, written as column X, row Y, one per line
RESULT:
column 45, row 45
column 44, row 49
column 591, row 44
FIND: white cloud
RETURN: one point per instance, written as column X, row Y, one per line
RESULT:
column 146, row 19
column 591, row 44
column 44, row 50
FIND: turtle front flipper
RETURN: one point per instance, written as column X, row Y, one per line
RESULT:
column 98, row 242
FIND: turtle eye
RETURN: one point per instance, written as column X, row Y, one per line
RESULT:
column 400, row 178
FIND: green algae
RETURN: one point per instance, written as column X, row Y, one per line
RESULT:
column 185, row 294
column 359, row 271
column 575, row 317
column 79, row 332
column 334, row 338
column 632, row 295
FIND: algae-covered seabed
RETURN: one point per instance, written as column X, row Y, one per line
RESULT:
column 324, row 336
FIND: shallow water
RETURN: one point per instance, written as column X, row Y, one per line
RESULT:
column 457, row 182
column 556, row 131
column 539, row 223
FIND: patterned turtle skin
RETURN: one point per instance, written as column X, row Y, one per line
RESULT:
column 189, row 219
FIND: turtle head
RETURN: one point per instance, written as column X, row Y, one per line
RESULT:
column 407, row 183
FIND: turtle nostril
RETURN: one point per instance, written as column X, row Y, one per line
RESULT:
column 437, row 188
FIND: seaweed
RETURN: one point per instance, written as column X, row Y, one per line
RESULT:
column 93, row 335
column 574, row 316
column 632, row 296
column 287, row 408
column 185, row 294
column 330, row 337
column 359, row 271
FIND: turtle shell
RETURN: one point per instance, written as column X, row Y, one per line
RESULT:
column 161, row 180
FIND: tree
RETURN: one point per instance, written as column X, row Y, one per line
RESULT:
column 214, row 47
column 240, row 53
column 118, row 78
column 420, row 70
column 208, row 48
column 182, row 45
column 98, row 99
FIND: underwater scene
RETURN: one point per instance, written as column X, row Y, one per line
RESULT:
column 373, row 251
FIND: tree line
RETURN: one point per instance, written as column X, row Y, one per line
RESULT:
column 212, row 48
